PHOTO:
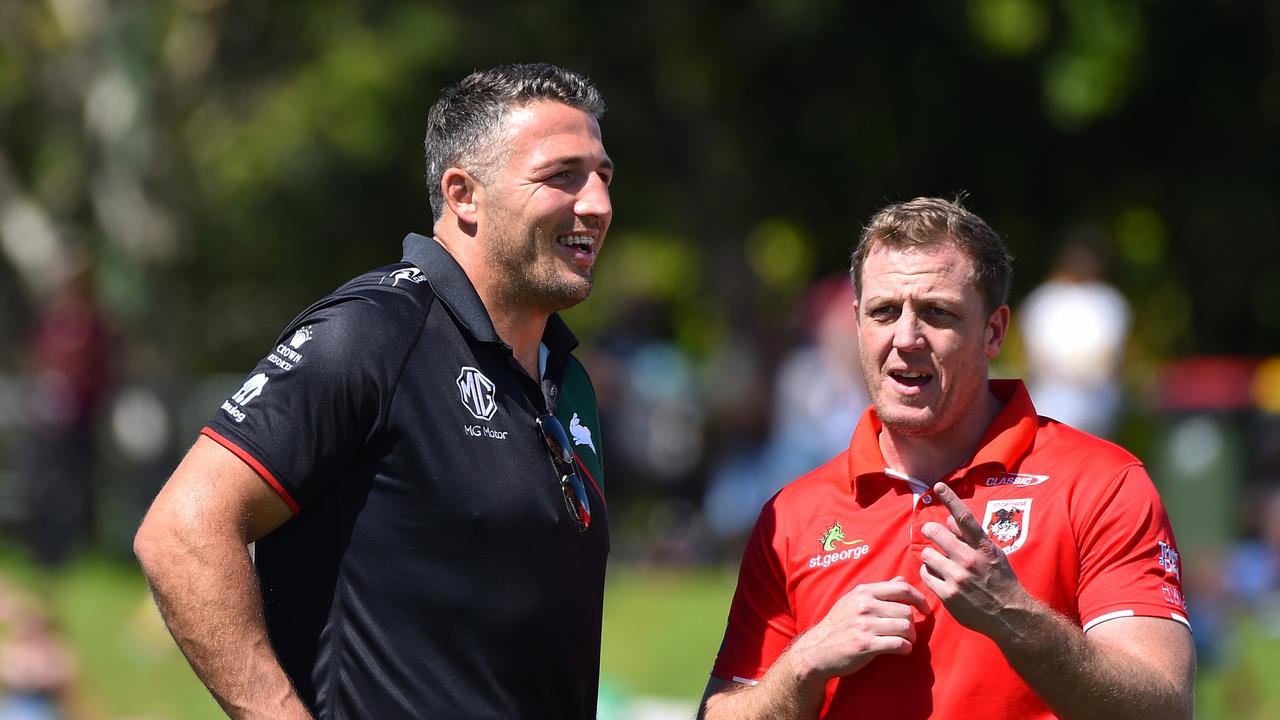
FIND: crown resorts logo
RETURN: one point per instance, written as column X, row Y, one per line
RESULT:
column 833, row 536
column 301, row 337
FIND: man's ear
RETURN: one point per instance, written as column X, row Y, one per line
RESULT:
column 462, row 193
column 997, row 329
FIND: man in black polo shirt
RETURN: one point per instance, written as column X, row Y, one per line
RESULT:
column 417, row 458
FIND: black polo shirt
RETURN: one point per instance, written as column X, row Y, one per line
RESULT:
column 431, row 568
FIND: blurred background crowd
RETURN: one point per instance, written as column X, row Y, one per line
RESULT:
column 177, row 179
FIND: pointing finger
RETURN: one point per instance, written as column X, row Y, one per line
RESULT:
column 952, row 526
column 967, row 525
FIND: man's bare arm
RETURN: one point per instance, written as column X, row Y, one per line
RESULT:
column 192, row 546
column 870, row 620
column 1132, row 668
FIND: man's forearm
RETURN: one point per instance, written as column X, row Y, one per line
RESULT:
column 780, row 695
column 1079, row 676
column 208, row 594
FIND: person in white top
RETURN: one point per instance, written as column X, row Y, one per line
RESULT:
column 1075, row 327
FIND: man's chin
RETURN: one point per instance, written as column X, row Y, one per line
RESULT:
column 911, row 422
column 568, row 295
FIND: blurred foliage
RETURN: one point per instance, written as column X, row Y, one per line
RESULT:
column 221, row 163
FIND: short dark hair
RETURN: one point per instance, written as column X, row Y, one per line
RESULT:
column 927, row 221
column 463, row 124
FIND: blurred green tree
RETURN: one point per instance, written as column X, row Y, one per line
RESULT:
column 220, row 163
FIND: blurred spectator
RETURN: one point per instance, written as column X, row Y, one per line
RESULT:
column 1074, row 327
column 653, row 407
column 818, row 396
column 36, row 671
column 654, row 424
column 1253, row 568
column 69, row 377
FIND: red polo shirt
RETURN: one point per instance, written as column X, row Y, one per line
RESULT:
column 1078, row 517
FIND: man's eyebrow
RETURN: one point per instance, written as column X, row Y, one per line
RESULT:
column 572, row 161
column 879, row 297
column 931, row 296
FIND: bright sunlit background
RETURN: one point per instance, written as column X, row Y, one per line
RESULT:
column 178, row 179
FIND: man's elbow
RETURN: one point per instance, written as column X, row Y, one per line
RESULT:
column 165, row 535
column 149, row 544
column 1186, row 702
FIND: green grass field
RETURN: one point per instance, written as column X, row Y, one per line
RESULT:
column 662, row 628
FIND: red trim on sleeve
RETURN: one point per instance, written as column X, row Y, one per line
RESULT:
column 252, row 462
column 587, row 472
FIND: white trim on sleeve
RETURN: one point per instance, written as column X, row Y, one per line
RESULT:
column 1109, row 616
column 1129, row 613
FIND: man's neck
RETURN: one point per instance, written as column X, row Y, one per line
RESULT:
column 522, row 330
column 516, row 325
column 930, row 458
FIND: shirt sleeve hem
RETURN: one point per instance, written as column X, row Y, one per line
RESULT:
column 1139, row 611
column 739, row 676
column 258, row 467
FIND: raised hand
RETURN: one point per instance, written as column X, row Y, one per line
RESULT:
column 968, row 572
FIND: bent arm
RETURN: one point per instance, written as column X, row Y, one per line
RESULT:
column 870, row 620
column 1129, row 667
column 1132, row 667
column 192, row 546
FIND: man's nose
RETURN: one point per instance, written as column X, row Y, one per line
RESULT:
column 906, row 332
column 593, row 199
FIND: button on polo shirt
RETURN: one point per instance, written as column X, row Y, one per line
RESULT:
column 1078, row 517
column 432, row 569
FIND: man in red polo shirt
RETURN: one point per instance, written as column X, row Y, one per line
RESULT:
column 963, row 558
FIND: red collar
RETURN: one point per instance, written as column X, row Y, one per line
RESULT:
column 1006, row 441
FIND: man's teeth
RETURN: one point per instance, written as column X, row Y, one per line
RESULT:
column 911, row 375
column 576, row 241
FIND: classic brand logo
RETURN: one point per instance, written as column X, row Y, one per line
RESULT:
column 829, row 539
column 1016, row 479
column 1007, row 523
column 477, row 393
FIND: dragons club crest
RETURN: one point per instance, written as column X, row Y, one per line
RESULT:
column 1006, row 522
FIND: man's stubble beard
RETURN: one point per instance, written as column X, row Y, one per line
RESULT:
column 527, row 282
column 893, row 422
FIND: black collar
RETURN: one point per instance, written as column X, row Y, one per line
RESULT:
column 455, row 290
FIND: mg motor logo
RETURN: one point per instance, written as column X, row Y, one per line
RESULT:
column 477, row 393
